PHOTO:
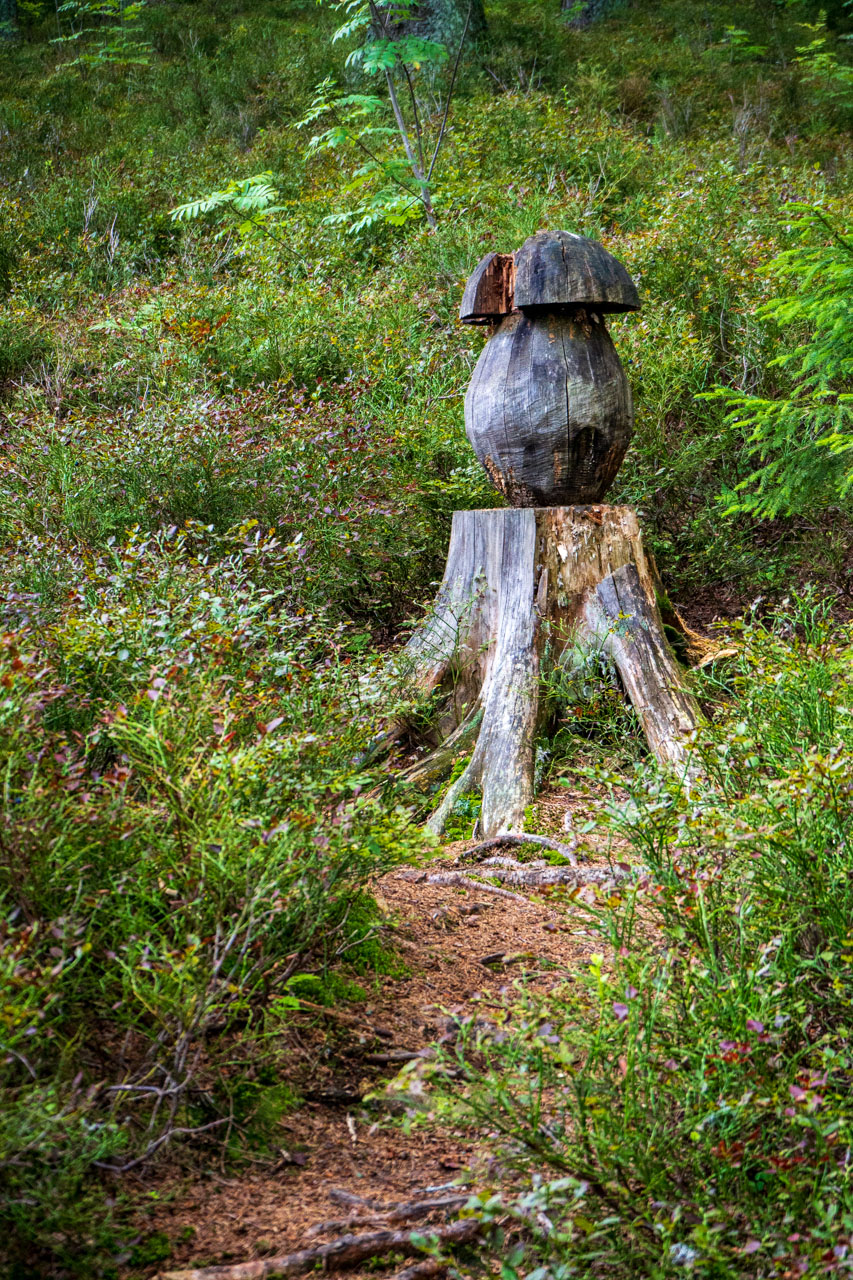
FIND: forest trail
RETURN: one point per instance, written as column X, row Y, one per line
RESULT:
column 343, row 1150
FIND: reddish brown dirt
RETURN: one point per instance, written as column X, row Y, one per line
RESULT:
column 442, row 934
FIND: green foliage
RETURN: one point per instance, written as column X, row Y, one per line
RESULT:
column 388, row 188
column 253, row 196
column 687, row 1102
column 829, row 80
column 189, row 836
column 803, row 440
column 585, row 707
column 231, row 446
column 107, row 33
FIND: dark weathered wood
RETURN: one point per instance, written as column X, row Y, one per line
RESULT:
column 559, row 268
column 573, row 577
column 548, row 411
column 624, row 617
column 489, row 290
column 501, row 589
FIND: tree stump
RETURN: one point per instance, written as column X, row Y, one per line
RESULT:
column 517, row 582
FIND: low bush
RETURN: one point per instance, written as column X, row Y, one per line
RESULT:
column 684, row 1107
column 183, row 835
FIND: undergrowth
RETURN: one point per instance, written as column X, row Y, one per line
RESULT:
column 227, row 467
column 684, row 1106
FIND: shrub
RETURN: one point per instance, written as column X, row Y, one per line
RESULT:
column 803, row 439
column 183, row 833
column 686, row 1103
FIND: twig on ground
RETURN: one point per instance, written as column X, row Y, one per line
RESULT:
column 309, row 1006
column 399, row 1055
column 421, row 1270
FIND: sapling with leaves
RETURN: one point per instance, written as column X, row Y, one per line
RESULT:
column 391, row 53
column 107, row 33
column 251, row 202
column 390, row 187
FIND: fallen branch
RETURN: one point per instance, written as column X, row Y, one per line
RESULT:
column 340, row 1196
column 509, row 871
column 348, row 1251
column 398, row 1055
column 308, row 1006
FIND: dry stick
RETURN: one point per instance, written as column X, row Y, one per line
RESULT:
column 341, row 1196
column 512, row 841
column 348, row 1251
column 310, row 1006
column 399, row 1055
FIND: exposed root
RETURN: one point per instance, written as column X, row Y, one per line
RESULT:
column 514, row 841
column 439, row 763
column 348, row 1251
column 539, row 874
column 458, row 879
column 374, row 1213
column 422, row 1270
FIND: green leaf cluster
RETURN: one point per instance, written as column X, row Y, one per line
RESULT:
column 802, row 439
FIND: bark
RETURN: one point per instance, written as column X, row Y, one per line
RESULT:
column 488, row 295
column 548, row 411
column 519, row 582
column 559, row 268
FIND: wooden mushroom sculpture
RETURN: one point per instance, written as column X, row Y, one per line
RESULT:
column 548, row 413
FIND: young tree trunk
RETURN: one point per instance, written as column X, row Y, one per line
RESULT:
column 518, row 583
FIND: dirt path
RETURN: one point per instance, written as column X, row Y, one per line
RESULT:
column 337, row 1143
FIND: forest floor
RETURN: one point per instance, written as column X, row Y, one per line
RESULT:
column 356, row 1142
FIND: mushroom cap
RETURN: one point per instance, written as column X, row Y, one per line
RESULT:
column 559, row 268
column 488, row 290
